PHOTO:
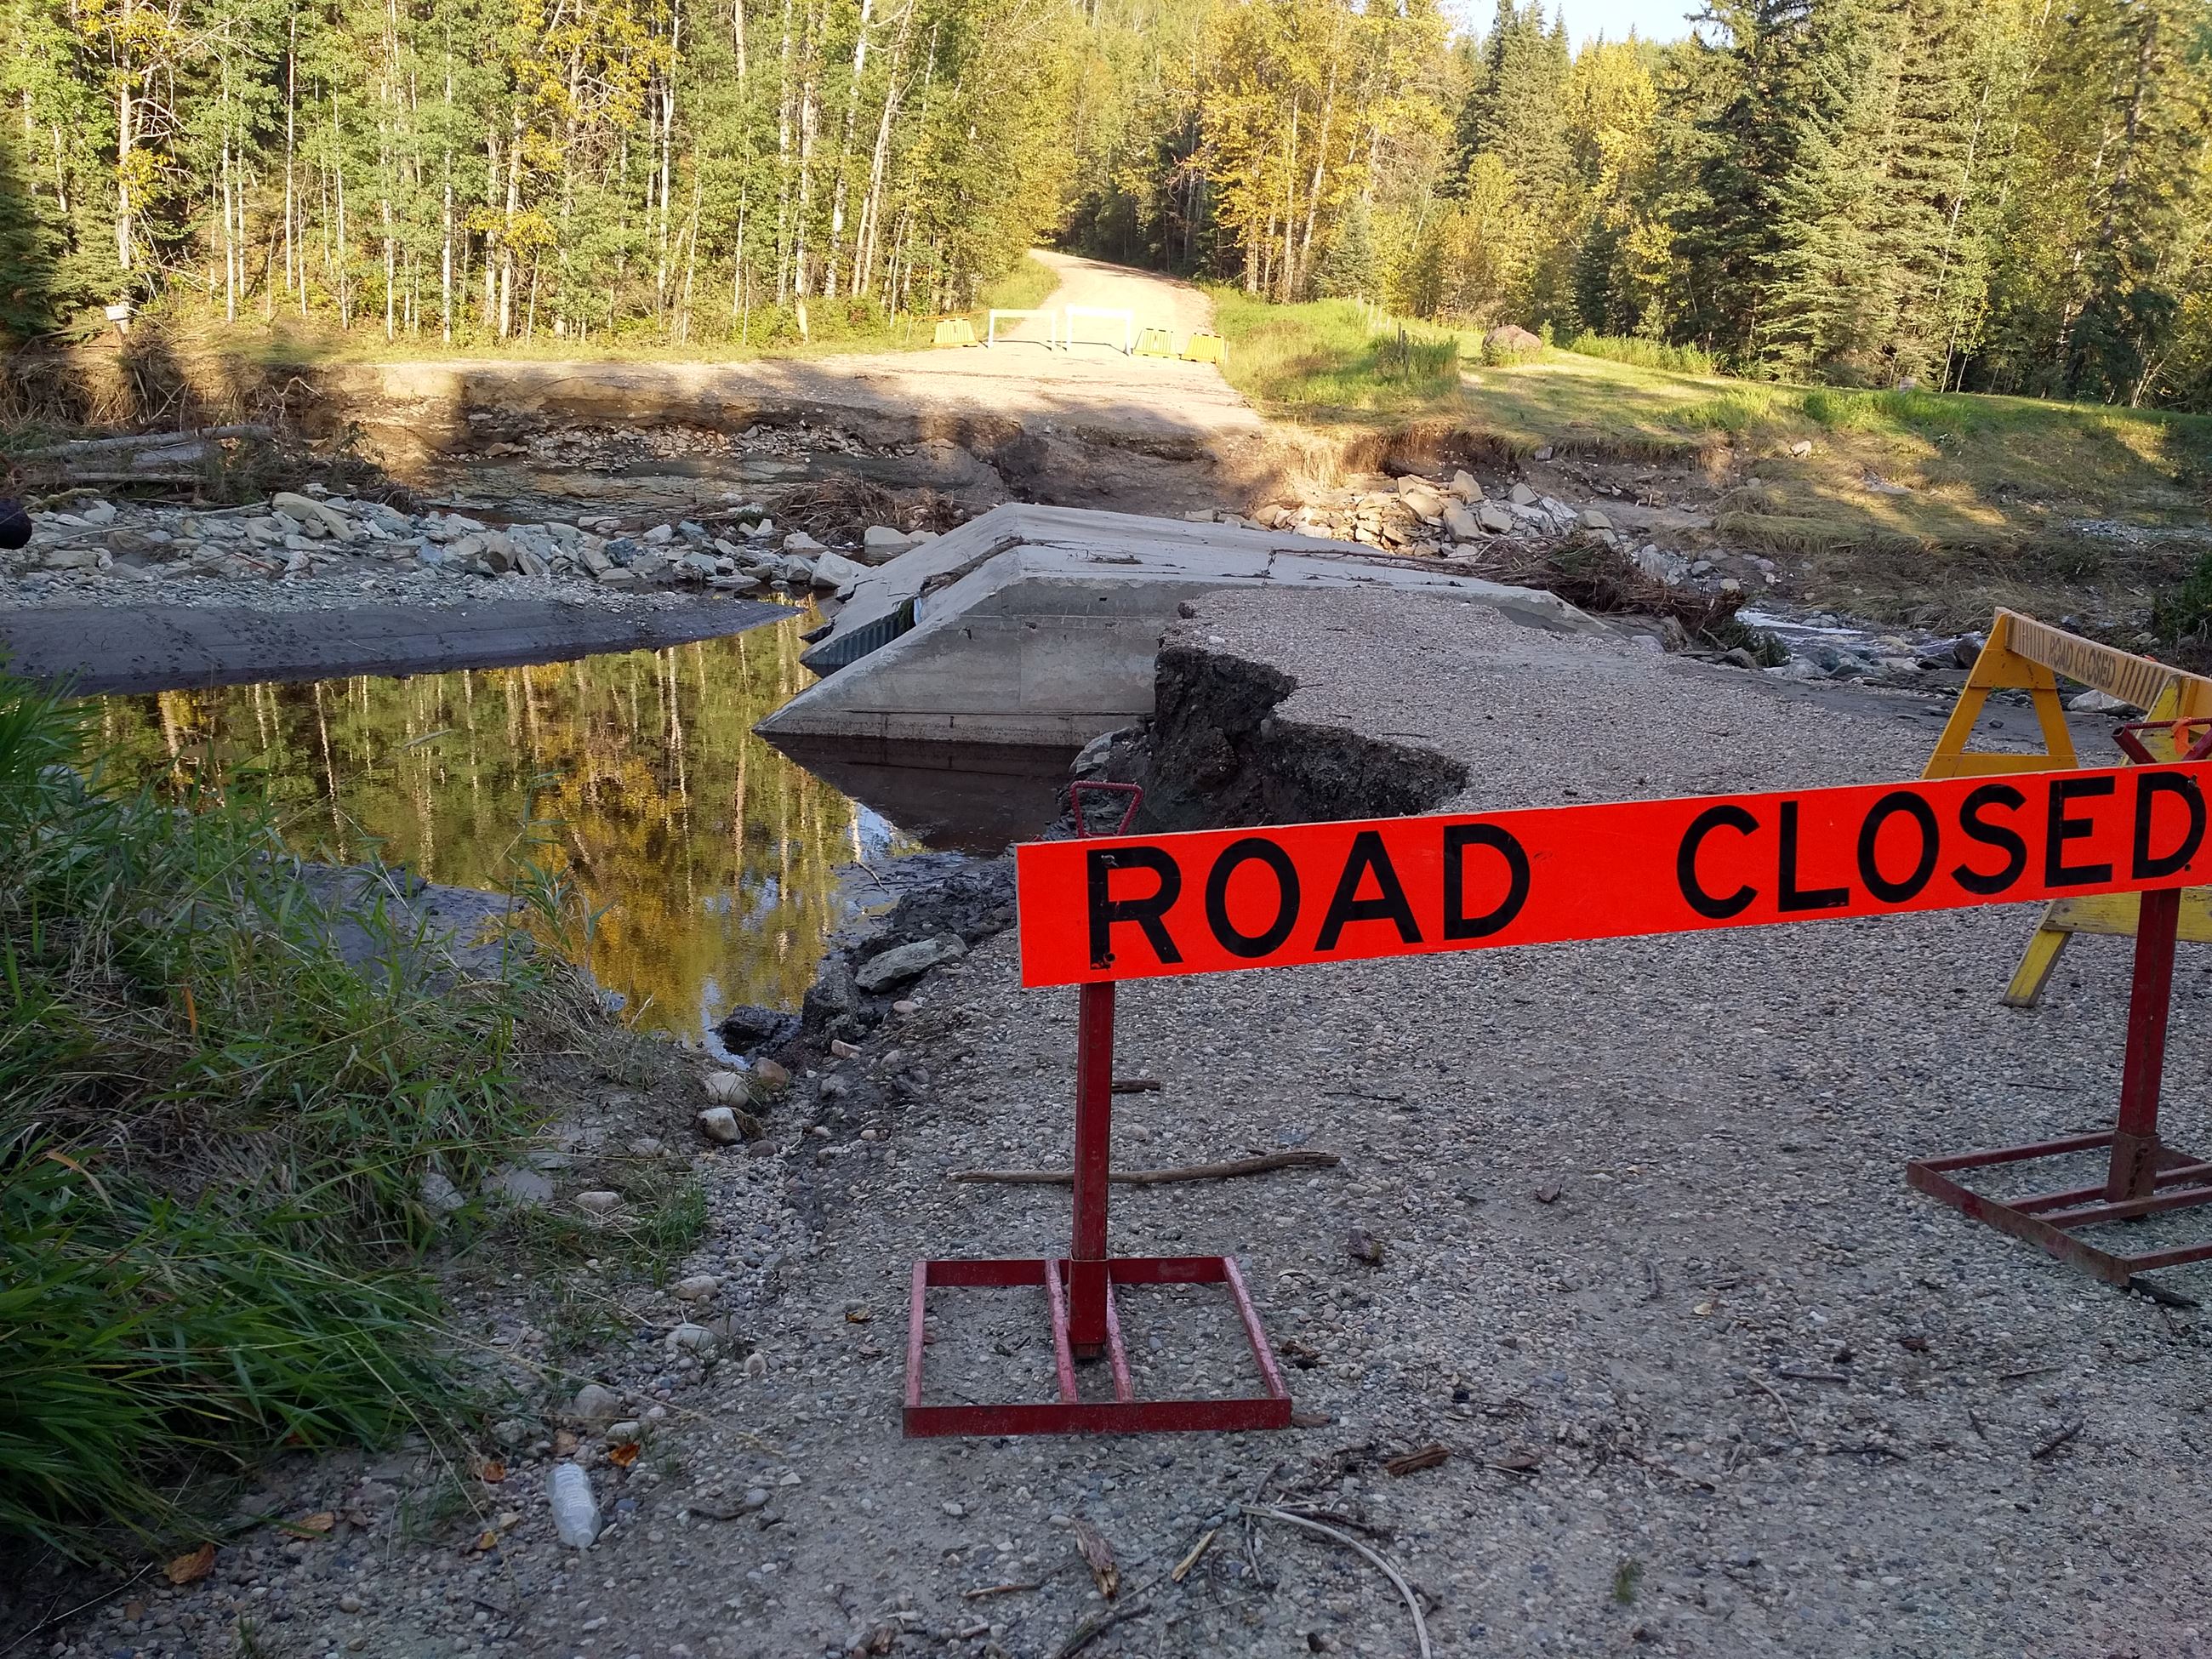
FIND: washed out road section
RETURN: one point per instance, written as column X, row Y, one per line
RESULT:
column 111, row 648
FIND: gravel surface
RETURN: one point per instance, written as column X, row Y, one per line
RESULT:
column 1711, row 1380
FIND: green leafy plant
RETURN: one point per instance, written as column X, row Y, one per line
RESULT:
column 223, row 1087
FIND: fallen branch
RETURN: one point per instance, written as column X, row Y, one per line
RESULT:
column 2063, row 1437
column 1241, row 1166
column 1084, row 1634
column 1760, row 1382
column 140, row 441
column 1412, row 1601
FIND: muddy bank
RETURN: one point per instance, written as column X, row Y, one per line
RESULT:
column 113, row 648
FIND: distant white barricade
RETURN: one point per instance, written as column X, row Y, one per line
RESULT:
column 1051, row 326
column 1100, row 313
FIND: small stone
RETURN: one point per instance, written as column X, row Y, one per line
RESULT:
column 349, row 1603
column 905, row 962
column 1464, row 486
column 1494, row 518
column 2093, row 701
column 727, row 1088
column 881, row 543
column 844, row 1050
column 697, row 1288
column 599, row 1202
column 1544, row 453
column 510, row 1432
column 1802, row 448
column 771, row 1074
column 955, row 1509
column 1521, row 494
column 800, row 542
column 906, row 1006
column 756, row 1498
column 648, row 1147
column 625, row 1433
column 1594, row 520
column 439, row 1194
column 688, row 1338
column 594, row 1404
column 660, row 535
column 719, row 1124
column 1463, row 525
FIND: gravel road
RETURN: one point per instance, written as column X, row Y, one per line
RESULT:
column 1092, row 392
column 1711, row 1380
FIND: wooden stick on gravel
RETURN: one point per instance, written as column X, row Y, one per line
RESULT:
column 1412, row 1601
column 1240, row 1166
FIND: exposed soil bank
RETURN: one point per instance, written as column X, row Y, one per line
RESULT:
column 1214, row 753
column 115, row 649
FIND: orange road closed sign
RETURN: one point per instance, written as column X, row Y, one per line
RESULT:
column 1141, row 907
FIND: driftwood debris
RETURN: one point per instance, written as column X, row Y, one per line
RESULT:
column 1240, row 1166
column 88, row 448
column 140, row 457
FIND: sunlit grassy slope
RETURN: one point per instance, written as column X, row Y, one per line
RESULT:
column 1887, row 469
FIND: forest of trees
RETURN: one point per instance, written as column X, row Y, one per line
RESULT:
column 2005, row 195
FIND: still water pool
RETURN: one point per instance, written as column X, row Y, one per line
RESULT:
column 720, row 868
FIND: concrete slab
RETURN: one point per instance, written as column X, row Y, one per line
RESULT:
column 156, row 648
column 1038, row 625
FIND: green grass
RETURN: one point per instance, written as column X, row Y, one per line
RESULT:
column 214, row 1133
column 1025, row 287
column 1642, row 352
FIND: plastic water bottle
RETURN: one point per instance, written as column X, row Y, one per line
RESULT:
column 576, row 1511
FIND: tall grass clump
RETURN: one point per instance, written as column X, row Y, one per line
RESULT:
column 1640, row 353
column 221, row 1100
column 1416, row 359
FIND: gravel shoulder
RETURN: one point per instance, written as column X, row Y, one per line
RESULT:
column 1713, row 1382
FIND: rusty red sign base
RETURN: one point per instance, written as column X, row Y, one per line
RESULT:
column 2145, row 1176
column 1079, row 1287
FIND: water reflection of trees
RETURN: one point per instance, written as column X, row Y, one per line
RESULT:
column 714, row 858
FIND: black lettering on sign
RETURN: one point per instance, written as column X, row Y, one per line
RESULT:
column 2149, row 786
column 1457, row 839
column 1792, row 898
column 1719, row 909
column 1368, row 853
column 1233, row 858
column 1924, row 815
column 1979, row 829
column 2062, row 828
column 1146, row 912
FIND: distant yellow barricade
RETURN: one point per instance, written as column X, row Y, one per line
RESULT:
column 1154, row 342
column 2022, row 654
column 1207, row 348
column 955, row 331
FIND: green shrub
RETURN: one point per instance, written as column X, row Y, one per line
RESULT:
column 1640, row 353
column 215, row 1131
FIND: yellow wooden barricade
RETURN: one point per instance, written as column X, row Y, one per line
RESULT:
column 955, row 331
column 1207, row 348
column 2027, row 655
column 1154, row 342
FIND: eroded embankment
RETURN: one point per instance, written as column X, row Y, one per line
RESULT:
column 1214, row 753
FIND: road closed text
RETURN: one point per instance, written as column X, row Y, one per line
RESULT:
column 1210, row 901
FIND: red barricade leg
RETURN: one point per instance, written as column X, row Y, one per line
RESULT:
column 1094, row 1119
column 2135, row 1141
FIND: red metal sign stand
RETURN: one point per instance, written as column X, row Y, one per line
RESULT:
column 1079, row 1287
column 2146, row 1176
